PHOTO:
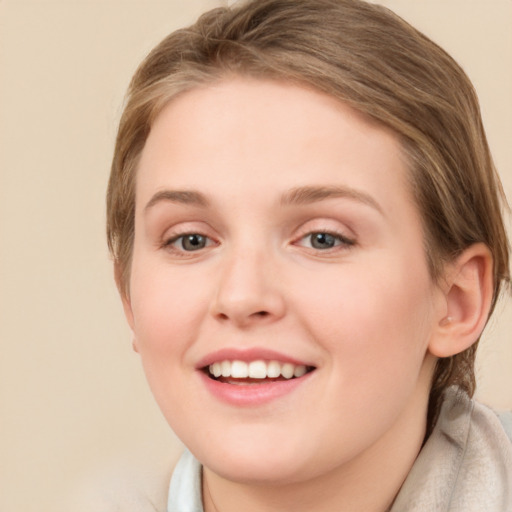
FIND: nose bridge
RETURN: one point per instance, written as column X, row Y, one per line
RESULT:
column 248, row 288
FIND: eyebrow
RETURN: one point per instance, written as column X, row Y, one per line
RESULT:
column 313, row 194
column 295, row 196
column 190, row 197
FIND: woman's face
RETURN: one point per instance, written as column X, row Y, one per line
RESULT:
column 276, row 234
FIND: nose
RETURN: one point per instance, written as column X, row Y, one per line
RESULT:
column 249, row 291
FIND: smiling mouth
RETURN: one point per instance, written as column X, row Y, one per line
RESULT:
column 255, row 372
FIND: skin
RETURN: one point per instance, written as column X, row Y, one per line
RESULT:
column 365, row 313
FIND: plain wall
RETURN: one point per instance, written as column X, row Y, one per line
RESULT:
column 73, row 399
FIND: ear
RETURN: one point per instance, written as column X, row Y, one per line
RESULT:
column 468, row 290
column 125, row 298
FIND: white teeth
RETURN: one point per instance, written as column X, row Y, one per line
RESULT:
column 239, row 370
column 299, row 371
column 287, row 370
column 226, row 368
column 258, row 369
column 215, row 369
column 273, row 370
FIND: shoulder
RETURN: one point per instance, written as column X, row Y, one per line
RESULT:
column 483, row 461
column 482, row 433
column 465, row 465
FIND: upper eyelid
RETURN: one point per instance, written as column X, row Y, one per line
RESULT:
column 169, row 236
column 321, row 226
column 187, row 228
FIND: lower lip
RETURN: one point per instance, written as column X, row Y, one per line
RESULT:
column 252, row 394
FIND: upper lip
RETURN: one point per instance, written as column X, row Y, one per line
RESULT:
column 247, row 355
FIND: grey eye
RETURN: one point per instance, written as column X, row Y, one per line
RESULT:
column 192, row 242
column 322, row 240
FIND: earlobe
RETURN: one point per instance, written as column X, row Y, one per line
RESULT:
column 468, row 295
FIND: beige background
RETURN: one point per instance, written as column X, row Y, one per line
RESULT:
column 73, row 400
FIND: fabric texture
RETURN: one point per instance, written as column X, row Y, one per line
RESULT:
column 465, row 465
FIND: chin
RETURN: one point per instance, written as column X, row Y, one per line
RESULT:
column 260, row 470
column 262, row 457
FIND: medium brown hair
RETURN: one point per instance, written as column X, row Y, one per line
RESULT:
column 369, row 58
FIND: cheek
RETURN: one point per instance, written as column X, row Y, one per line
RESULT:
column 372, row 319
column 168, row 309
column 167, row 306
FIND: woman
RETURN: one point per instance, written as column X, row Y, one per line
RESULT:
column 307, row 234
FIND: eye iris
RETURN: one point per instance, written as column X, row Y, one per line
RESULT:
column 322, row 240
column 193, row 242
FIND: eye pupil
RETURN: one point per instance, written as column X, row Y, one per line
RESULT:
column 193, row 242
column 322, row 240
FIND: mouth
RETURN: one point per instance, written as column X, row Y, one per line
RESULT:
column 244, row 373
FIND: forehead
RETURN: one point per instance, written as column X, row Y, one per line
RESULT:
column 253, row 133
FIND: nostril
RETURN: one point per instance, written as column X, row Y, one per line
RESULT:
column 244, row 320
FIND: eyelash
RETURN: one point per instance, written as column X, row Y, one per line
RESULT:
column 340, row 242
